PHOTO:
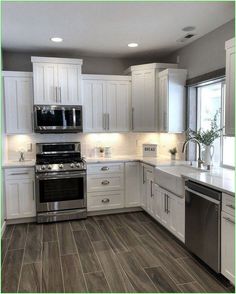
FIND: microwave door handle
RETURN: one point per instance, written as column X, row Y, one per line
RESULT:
column 74, row 117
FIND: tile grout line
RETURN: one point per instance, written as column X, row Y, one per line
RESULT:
column 18, row 286
column 98, row 258
column 72, row 232
column 7, row 250
column 59, row 249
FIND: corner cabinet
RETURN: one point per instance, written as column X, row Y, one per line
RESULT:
column 230, row 89
column 19, row 193
column 18, row 101
column 145, row 96
column 57, row 81
column 106, row 103
column 171, row 101
column 132, row 191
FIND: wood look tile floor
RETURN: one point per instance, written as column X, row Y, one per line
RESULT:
column 115, row 253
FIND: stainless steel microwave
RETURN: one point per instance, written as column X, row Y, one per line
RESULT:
column 58, row 119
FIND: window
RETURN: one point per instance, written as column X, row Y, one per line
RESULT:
column 210, row 101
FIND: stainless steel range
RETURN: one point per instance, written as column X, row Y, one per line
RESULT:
column 60, row 182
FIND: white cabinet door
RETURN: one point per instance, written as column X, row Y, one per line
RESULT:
column 163, row 103
column 94, row 106
column 45, row 83
column 12, row 194
column 132, row 191
column 18, row 94
column 117, row 105
column 143, row 101
column 230, row 89
column 158, row 210
column 227, row 246
column 20, row 200
column 27, row 198
column 69, row 77
column 165, row 217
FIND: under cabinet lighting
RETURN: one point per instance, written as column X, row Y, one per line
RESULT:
column 56, row 39
column 132, row 45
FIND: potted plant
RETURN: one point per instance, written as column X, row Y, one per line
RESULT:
column 173, row 152
column 206, row 138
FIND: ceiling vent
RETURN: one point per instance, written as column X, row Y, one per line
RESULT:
column 186, row 38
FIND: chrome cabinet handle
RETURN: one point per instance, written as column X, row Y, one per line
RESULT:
column 143, row 176
column 104, row 121
column 105, row 168
column 106, row 182
column 230, row 206
column 105, row 200
column 132, row 119
column 229, row 220
column 16, row 174
column 151, row 189
column 167, row 202
column 108, row 121
column 33, row 189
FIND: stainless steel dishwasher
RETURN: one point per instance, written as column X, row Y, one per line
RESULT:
column 202, row 223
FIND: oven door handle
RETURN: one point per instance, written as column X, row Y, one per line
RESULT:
column 55, row 177
column 202, row 196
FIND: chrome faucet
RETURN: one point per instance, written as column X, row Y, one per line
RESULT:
column 199, row 161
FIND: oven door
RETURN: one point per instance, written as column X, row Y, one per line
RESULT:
column 60, row 191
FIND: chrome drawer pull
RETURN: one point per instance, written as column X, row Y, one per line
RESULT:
column 106, row 182
column 230, row 206
column 229, row 220
column 16, row 174
column 106, row 200
column 105, row 168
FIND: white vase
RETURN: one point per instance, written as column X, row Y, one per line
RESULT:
column 173, row 156
column 208, row 154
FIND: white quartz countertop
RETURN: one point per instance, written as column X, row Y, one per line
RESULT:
column 217, row 178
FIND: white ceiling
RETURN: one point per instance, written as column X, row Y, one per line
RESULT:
column 105, row 28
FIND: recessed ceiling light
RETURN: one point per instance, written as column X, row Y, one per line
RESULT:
column 188, row 29
column 133, row 45
column 56, row 39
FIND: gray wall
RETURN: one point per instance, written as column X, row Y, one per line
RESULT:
column 205, row 54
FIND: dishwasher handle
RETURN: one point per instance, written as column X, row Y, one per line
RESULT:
column 202, row 196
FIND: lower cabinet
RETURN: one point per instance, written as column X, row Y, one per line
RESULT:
column 146, row 179
column 169, row 210
column 227, row 237
column 105, row 186
column 19, row 193
column 132, row 191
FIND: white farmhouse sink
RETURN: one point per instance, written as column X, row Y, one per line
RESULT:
column 170, row 177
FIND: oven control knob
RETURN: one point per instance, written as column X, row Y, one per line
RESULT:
column 72, row 165
column 43, row 167
column 78, row 164
column 60, row 165
column 49, row 166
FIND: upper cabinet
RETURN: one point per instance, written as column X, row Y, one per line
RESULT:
column 18, row 100
column 57, row 81
column 171, row 101
column 106, row 103
column 230, row 88
column 145, row 96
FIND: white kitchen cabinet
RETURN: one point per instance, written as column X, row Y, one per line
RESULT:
column 57, row 81
column 18, row 101
column 19, row 193
column 169, row 210
column 145, row 96
column 146, row 181
column 105, row 186
column 150, row 193
column 106, row 103
column 228, row 237
column 132, row 191
column 171, row 97
column 230, row 89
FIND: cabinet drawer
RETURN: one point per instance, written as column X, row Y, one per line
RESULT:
column 19, row 173
column 105, row 168
column 228, row 204
column 105, row 200
column 109, row 182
